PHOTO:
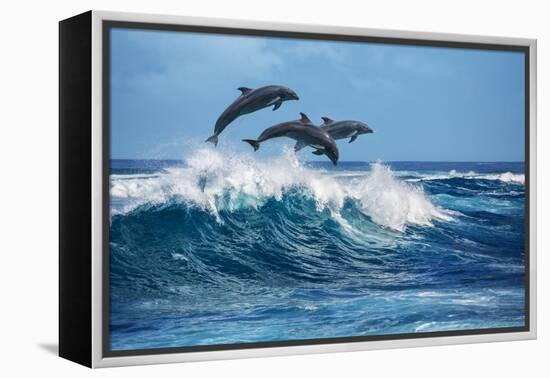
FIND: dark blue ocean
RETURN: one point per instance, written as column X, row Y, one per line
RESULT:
column 221, row 249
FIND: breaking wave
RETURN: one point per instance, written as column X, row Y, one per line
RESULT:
column 504, row 177
column 224, row 248
column 213, row 182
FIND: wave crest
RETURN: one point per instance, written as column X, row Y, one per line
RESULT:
column 216, row 182
column 394, row 203
column 507, row 177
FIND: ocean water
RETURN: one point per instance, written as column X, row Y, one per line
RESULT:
column 224, row 249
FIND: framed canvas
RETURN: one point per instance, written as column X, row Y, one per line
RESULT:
column 234, row 189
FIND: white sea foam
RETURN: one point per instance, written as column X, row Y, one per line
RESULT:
column 504, row 177
column 214, row 181
column 392, row 202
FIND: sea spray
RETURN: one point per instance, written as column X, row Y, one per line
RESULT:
column 471, row 175
column 214, row 181
column 394, row 203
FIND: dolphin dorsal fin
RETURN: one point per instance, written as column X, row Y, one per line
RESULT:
column 304, row 118
column 244, row 90
column 327, row 120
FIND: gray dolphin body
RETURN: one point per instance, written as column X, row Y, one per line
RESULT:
column 249, row 101
column 305, row 133
column 342, row 130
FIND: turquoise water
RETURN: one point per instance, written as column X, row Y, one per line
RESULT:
column 223, row 250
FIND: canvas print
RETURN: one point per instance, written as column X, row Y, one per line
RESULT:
column 275, row 189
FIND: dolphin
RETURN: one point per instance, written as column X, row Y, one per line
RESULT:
column 249, row 101
column 305, row 133
column 342, row 129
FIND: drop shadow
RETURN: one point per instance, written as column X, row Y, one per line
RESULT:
column 51, row 348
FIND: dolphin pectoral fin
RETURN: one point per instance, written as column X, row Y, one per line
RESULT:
column 244, row 90
column 299, row 145
column 277, row 105
column 353, row 138
column 318, row 152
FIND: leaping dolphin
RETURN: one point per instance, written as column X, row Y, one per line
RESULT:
column 305, row 133
column 249, row 101
column 342, row 129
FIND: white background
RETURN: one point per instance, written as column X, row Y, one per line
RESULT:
column 28, row 171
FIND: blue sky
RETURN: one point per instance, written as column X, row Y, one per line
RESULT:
column 424, row 103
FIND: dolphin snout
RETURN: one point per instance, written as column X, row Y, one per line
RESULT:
column 367, row 130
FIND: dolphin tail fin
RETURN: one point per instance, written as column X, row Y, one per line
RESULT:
column 254, row 143
column 213, row 139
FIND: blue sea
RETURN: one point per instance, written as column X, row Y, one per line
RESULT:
column 223, row 249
